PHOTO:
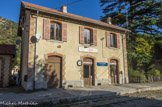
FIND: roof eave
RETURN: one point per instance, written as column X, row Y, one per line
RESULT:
column 27, row 7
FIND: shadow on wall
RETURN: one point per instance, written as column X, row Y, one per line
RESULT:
column 45, row 73
column 41, row 68
column 51, row 76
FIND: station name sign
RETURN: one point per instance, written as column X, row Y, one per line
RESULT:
column 92, row 50
column 102, row 64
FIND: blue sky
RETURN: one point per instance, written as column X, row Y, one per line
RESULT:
column 10, row 9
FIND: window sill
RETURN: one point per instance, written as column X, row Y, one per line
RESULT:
column 88, row 45
column 113, row 48
column 55, row 41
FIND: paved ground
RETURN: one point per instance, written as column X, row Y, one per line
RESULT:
column 15, row 94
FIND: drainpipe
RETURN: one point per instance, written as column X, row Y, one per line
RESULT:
column 34, row 69
column 123, row 58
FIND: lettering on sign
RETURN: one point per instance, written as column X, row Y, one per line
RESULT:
column 93, row 50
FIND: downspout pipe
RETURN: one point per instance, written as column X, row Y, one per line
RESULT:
column 123, row 58
column 35, row 45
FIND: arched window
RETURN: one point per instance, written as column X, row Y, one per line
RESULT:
column 55, row 31
column 113, row 40
column 87, row 36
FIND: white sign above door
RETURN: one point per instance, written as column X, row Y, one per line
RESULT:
column 92, row 50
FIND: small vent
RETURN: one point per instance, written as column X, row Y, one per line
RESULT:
column 99, row 84
column 70, row 86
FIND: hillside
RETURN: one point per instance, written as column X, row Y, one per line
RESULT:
column 8, row 35
column 8, row 31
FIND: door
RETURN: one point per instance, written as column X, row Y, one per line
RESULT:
column 114, row 71
column 0, row 72
column 54, row 72
column 88, row 72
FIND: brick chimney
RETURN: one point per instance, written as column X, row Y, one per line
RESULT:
column 108, row 20
column 64, row 9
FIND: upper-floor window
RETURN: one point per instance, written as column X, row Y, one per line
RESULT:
column 55, row 31
column 87, row 36
column 113, row 40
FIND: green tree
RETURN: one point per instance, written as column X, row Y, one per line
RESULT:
column 144, row 50
column 143, row 18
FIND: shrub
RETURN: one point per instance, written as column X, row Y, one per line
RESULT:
column 136, row 76
column 154, row 72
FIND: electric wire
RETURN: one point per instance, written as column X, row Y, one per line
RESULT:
column 70, row 3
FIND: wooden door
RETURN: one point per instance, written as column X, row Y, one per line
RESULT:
column 54, row 72
column 114, row 72
column 0, row 72
column 88, row 72
column 87, row 75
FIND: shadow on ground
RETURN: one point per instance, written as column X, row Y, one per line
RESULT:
column 67, row 97
column 18, row 90
column 98, row 98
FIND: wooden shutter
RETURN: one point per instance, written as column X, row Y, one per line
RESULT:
column 118, row 40
column 81, row 34
column 108, row 39
column 46, row 29
column 64, row 32
column 95, row 37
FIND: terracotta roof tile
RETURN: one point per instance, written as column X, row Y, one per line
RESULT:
column 72, row 15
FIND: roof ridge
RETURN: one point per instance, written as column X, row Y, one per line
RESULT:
column 70, row 14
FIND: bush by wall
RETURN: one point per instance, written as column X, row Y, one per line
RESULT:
column 136, row 76
column 154, row 72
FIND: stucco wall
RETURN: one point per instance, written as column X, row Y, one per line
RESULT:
column 70, row 52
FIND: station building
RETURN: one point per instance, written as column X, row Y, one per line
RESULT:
column 60, row 49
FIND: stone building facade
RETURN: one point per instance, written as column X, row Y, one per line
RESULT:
column 71, row 51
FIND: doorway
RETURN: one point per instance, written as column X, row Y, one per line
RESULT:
column 0, row 72
column 54, row 68
column 114, row 71
column 88, row 69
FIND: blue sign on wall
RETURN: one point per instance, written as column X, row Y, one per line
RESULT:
column 102, row 64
